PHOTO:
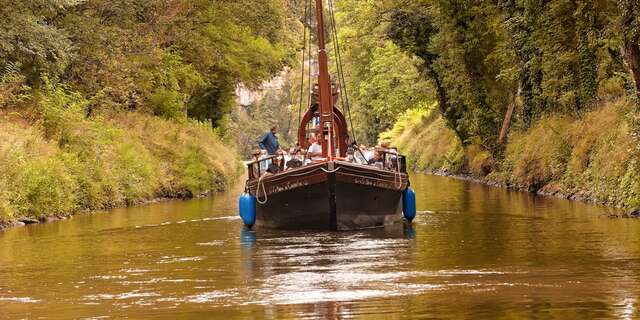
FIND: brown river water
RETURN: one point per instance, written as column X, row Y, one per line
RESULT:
column 474, row 252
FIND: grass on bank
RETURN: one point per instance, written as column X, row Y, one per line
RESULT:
column 54, row 161
column 593, row 157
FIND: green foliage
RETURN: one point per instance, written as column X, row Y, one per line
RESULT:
column 67, row 162
column 564, row 64
column 195, row 172
column 30, row 40
column 13, row 87
column 80, row 81
column 478, row 57
column 43, row 187
column 593, row 158
column 168, row 104
column 382, row 81
column 171, row 58
column 422, row 135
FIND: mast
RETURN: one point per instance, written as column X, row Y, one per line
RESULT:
column 324, row 85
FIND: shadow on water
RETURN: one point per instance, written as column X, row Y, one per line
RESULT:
column 472, row 252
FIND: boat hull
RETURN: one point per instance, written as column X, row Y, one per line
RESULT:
column 330, row 196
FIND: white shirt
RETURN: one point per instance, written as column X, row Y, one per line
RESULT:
column 315, row 148
column 359, row 158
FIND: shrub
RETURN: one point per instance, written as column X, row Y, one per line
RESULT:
column 596, row 155
column 43, row 187
column 168, row 104
column 66, row 162
column 423, row 136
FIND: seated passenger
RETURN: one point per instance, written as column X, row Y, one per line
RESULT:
column 350, row 155
column 296, row 161
column 273, row 168
column 255, row 155
column 368, row 154
column 305, row 159
column 392, row 159
column 376, row 160
column 315, row 151
column 264, row 164
column 359, row 158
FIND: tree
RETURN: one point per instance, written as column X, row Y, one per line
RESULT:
column 630, row 27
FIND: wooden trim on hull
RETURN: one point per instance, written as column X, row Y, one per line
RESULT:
column 330, row 196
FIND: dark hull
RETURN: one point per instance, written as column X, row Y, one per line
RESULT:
column 330, row 196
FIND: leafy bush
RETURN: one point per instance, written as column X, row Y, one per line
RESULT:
column 424, row 137
column 596, row 156
column 66, row 162
column 43, row 187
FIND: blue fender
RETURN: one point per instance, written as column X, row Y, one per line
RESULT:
column 247, row 204
column 409, row 204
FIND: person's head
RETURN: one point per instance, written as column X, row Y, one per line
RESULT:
column 377, row 154
column 274, row 129
column 255, row 154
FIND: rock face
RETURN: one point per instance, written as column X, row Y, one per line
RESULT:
column 246, row 96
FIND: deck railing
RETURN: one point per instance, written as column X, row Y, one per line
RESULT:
column 390, row 161
column 258, row 167
column 394, row 162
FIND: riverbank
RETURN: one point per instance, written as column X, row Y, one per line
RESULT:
column 593, row 158
column 56, row 162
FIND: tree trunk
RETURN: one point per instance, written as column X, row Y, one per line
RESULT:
column 631, row 44
column 506, row 123
column 450, row 116
column 632, row 53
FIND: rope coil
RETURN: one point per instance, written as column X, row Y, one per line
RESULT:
column 264, row 190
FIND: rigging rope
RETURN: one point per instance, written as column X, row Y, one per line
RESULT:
column 341, row 77
column 309, row 93
column 304, row 51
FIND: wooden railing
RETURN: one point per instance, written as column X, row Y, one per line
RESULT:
column 390, row 161
column 258, row 167
column 394, row 162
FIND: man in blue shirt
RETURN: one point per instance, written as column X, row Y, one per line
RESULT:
column 269, row 141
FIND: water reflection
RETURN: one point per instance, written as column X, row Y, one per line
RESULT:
column 473, row 252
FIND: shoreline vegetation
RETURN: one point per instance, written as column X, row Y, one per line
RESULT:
column 55, row 162
column 106, row 104
column 589, row 159
column 536, row 96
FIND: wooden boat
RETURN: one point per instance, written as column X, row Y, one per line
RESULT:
column 329, row 194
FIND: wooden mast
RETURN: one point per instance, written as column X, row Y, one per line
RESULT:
column 324, row 85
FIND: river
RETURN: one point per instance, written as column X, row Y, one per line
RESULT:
column 473, row 252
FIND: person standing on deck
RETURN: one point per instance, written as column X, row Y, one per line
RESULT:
column 270, row 142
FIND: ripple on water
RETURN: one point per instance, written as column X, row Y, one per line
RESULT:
column 120, row 296
column 176, row 259
column 208, row 297
column 19, row 299
column 211, row 243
